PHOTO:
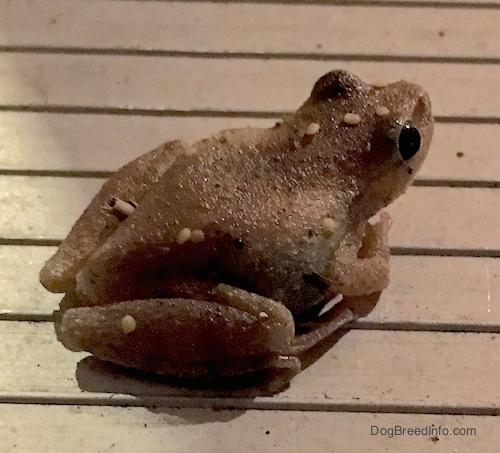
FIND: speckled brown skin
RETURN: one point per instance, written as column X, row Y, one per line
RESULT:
column 260, row 197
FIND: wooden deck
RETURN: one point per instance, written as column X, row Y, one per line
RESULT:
column 85, row 86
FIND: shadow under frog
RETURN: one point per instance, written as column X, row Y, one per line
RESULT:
column 205, row 261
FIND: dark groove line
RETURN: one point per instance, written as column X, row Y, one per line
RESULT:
column 317, row 56
column 226, row 403
column 31, row 242
column 424, row 327
column 361, row 324
column 370, row 3
column 79, row 110
column 396, row 251
column 91, row 174
column 463, row 253
column 27, row 317
column 444, row 119
column 456, row 183
column 104, row 174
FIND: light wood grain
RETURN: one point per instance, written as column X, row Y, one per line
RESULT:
column 106, row 142
column 187, row 84
column 386, row 370
column 462, row 295
column 160, row 430
column 275, row 28
column 435, row 217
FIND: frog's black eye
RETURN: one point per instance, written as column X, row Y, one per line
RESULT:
column 408, row 141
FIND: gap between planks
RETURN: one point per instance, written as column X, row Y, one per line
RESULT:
column 395, row 251
column 97, row 174
column 380, row 58
column 362, row 324
column 220, row 403
column 200, row 113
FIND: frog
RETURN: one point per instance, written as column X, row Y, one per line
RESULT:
column 222, row 257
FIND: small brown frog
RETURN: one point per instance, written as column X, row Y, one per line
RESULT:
column 199, row 260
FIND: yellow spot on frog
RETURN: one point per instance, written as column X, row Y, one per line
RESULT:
column 328, row 226
column 128, row 324
column 352, row 119
column 312, row 129
column 382, row 110
column 183, row 236
column 197, row 236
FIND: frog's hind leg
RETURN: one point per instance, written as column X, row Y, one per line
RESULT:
column 110, row 206
column 178, row 337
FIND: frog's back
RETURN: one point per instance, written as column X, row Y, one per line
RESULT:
column 223, row 211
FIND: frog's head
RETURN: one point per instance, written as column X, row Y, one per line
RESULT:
column 401, row 138
column 377, row 137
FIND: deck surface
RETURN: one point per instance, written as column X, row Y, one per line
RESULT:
column 87, row 85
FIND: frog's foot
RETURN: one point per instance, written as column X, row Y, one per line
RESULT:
column 321, row 329
column 368, row 272
column 264, row 307
column 116, row 200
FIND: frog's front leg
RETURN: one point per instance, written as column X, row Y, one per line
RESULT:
column 362, row 272
column 236, row 333
column 109, row 207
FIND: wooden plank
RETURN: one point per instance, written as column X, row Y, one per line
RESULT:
column 24, row 430
column 446, row 218
column 237, row 84
column 440, row 292
column 39, row 141
column 98, row 142
column 418, row 296
column 46, row 208
column 388, row 371
column 459, row 152
column 22, row 291
column 275, row 28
